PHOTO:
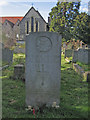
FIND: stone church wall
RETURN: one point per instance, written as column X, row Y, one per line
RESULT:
column 7, row 29
column 42, row 25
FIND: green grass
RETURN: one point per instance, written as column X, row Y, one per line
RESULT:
column 70, row 58
column 73, row 95
column 3, row 63
column 19, row 58
column 84, row 66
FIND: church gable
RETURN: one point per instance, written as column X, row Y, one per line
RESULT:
column 32, row 22
column 17, row 23
column 7, row 29
column 33, row 13
column 7, row 24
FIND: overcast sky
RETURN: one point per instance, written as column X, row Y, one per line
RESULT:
column 21, row 7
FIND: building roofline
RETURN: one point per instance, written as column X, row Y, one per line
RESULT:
column 12, row 24
column 10, row 18
column 35, row 11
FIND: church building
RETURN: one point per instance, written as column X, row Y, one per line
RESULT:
column 17, row 28
column 32, row 22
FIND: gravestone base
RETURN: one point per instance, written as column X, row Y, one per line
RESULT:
column 42, row 98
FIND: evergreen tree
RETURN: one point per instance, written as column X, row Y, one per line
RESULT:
column 62, row 18
column 81, row 27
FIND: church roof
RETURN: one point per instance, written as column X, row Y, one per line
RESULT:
column 12, row 24
column 11, row 19
column 35, row 11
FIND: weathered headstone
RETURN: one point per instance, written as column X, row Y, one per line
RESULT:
column 82, row 55
column 19, row 71
column 43, row 61
column 68, row 53
column 75, row 56
column 7, row 55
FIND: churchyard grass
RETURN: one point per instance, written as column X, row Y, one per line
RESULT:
column 70, row 58
column 73, row 94
column 3, row 63
column 84, row 66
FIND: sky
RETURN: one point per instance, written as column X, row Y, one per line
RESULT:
column 21, row 7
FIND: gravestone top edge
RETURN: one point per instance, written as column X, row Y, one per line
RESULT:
column 46, row 32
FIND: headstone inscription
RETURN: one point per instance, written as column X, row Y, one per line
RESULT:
column 43, row 61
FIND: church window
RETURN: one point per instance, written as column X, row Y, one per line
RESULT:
column 27, row 27
column 32, row 24
column 36, row 26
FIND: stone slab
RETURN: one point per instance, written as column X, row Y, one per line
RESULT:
column 43, row 64
column 68, row 53
column 7, row 55
column 82, row 55
column 19, row 71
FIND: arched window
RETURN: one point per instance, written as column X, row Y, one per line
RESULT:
column 27, row 27
column 36, row 26
column 32, row 24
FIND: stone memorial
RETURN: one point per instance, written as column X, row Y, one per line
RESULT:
column 19, row 71
column 43, row 64
column 7, row 55
column 82, row 55
column 68, row 53
column 75, row 56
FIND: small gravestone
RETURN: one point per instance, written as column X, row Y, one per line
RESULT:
column 68, row 53
column 7, row 55
column 43, row 64
column 19, row 71
column 83, row 55
column 75, row 56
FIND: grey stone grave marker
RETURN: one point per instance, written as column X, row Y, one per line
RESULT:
column 43, row 64
column 7, row 55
